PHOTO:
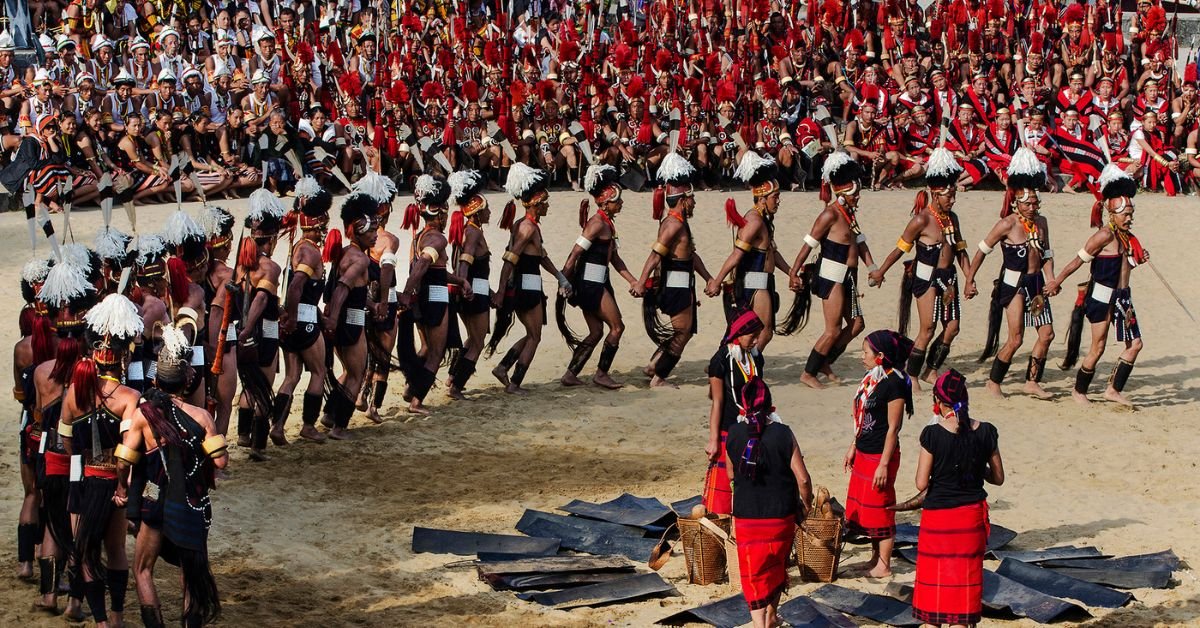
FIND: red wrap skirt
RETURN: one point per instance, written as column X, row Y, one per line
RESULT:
column 718, row 494
column 763, row 546
column 950, row 549
column 866, row 510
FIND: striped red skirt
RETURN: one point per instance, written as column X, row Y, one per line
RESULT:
column 718, row 496
column 866, row 511
column 950, row 549
column 763, row 546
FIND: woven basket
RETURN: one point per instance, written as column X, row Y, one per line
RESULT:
column 703, row 551
column 818, row 548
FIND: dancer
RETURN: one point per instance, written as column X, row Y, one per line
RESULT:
column 1106, row 300
column 472, row 261
column 173, row 448
column 735, row 362
column 94, row 409
column 930, row 277
column 224, row 312
column 676, row 261
column 958, row 454
column 523, row 260
column 381, row 325
column 755, row 256
column 186, row 270
column 258, row 337
column 884, row 397
column 37, row 345
column 594, row 252
column 1024, row 237
column 835, row 276
column 771, row 487
column 426, row 294
column 346, row 306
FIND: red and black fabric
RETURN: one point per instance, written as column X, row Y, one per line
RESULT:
column 950, row 549
column 46, row 179
column 718, row 495
column 866, row 507
column 1081, row 158
column 763, row 547
column 999, row 147
column 1082, row 103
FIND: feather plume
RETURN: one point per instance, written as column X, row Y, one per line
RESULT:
column 148, row 248
column 1114, row 182
column 77, row 255
column 943, row 169
column 425, row 187
column 521, row 179
column 34, row 271
column 263, row 204
column 307, row 188
column 216, row 221
column 1026, row 171
column 465, row 184
column 111, row 244
column 64, row 282
column 752, row 165
column 115, row 316
column 675, row 169
column 597, row 175
column 377, row 186
column 174, row 344
column 836, row 161
column 181, row 226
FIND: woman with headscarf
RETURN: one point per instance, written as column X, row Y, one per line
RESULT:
column 958, row 454
column 873, row 459
column 735, row 363
column 770, row 488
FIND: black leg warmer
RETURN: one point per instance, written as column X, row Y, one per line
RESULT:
column 46, row 573
column 1033, row 372
column 607, row 354
column 665, row 364
column 1083, row 379
column 510, row 358
column 466, row 368
column 312, row 408
column 583, row 353
column 938, row 352
column 152, row 617
column 916, row 362
column 245, row 421
column 1120, row 375
column 999, row 370
column 26, row 541
column 94, row 591
column 280, row 408
column 814, row 363
column 378, row 393
column 518, row 375
column 118, row 584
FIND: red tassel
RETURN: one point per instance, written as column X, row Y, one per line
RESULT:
column 1097, row 214
column 333, row 248
column 248, row 254
column 583, row 213
column 448, row 135
column 84, row 380
column 732, row 216
column 1009, row 198
column 826, row 193
column 65, row 357
column 41, row 340
column 660, row 202
column 180, row 284
column 1136, row 251
column 921, row 202
column 510, row 214
column 458, row 228
column 412, row 217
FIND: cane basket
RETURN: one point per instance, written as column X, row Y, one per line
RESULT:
column 818, row 548
column 703, row 550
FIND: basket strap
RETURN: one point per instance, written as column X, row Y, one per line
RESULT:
column 712, row 527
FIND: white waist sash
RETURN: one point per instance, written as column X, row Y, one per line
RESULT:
column 595, row 273
column 679, row 279
column 1102, row 293
column 479, row 285
column 270, row 329
column 924, row 271
column 756, row 280
column 306, row 313
column 439, row 294
column 356, row 317
column 832, row 271
column 198, row 355
column 531, row 282
column 1011, row 277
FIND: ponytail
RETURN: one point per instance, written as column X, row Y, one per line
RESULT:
column 180, row 283
column 247, row 256
column 65, row 357
column 333, row 248
column 85, row 381
column 41, row 339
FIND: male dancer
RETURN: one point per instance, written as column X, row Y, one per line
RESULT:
column 930, row 277
column 258, row 337
column 472, row 260
column 675, row 258
column 523, row 259
column 1024, row 237
column 842, row 243
column 381, row 325
column 1113, row 251
column 587, row 265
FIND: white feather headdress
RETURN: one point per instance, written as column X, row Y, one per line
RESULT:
column 675, row 169
column 115, row 316
column 307, row 188
column 263, row 204
column 521, row 179
column 751, row 164
column 836, row 161
column 181, row 226
column 942, row 163
column 78, row 255
column 425, row 187
column 174, row 344
column 215, row 220
column 596, row 171
column 34, row 271
column 1025, row 162
column 377, row 186
column 110, row 243
column 64, row 282
column 149, row 247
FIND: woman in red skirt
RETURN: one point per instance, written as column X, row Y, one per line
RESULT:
column 734, row 363
column 770, row 488
column 958, row 455
column 883, row 397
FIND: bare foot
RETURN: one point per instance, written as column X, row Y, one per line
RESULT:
column 570, row 379
column 25, row 571
column 373, row 415
column 916, row 384
column 277, row 436
column 47, row 604
column 811, row 382
column 258, row 455
column 658, row 382
column 501, row 374
column 514, row 389
column 311, row 432
column 116, row 620
column 327, row 421
column 604, row 381
column 1035, row 389
column 1116, row 397
column 341, row 433
column 361, row 404
column 994, row 389
column 454, row 393
column 648, row 371
column 833, row 379
column 880, row 571
column 416, row 407
column 243, row 440
column 1080, row 398
column 930, row 377
column 74, row 613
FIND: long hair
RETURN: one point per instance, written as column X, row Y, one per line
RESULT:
column 66, row 354
column 85, row 382
column 156, row 406
column 41, row 339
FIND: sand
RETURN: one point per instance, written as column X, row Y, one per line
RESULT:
column 321, row 534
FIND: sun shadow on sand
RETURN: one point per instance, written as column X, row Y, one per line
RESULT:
column 1184, row 612
column 1069, row 533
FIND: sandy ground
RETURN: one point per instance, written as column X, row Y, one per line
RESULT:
column 321, row 534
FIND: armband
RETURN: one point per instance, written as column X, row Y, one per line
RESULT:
column 564, row 136
column 984, row 248
column 306, row 269
column 1085, row 256
column 214, row 446
column 527, row 134
column 903, row 245
column 660, row 248
column 839, row 80
column 1048, row 254
column 583, row 243
column 127, row 455
column 125, row 425
column 861, row 238
column 466, row 257
column 742, row 245
column 510, row 257
column 662, row 137
column 785, row 137
column 1189, row 151
column 432, row 253
column 612, row 138
column 961, row 245
column 811, row 241
column 187, row 313
column 66, row 430
column 267, row 285
column 818, row 79
column 18, row 393
column 387, row 259
column 848, row 143
column 541, row 136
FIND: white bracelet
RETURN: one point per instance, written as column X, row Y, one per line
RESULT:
column 387, row 259
column 1085, row 256
column 1048, row 254
column 583, row 243
column 984, row 248
column 811, row 241
column 861, row 239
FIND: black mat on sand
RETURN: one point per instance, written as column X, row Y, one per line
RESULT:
column 1005, row 594
column 879, row 608
column 588, row 535
column 432, row 541
column 1061, row 586
column 620, row 590
column 630, row 510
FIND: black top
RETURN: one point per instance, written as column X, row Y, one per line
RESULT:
column 875, row 424
column 725, row 367
column 958, row 464
column 772, row 493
